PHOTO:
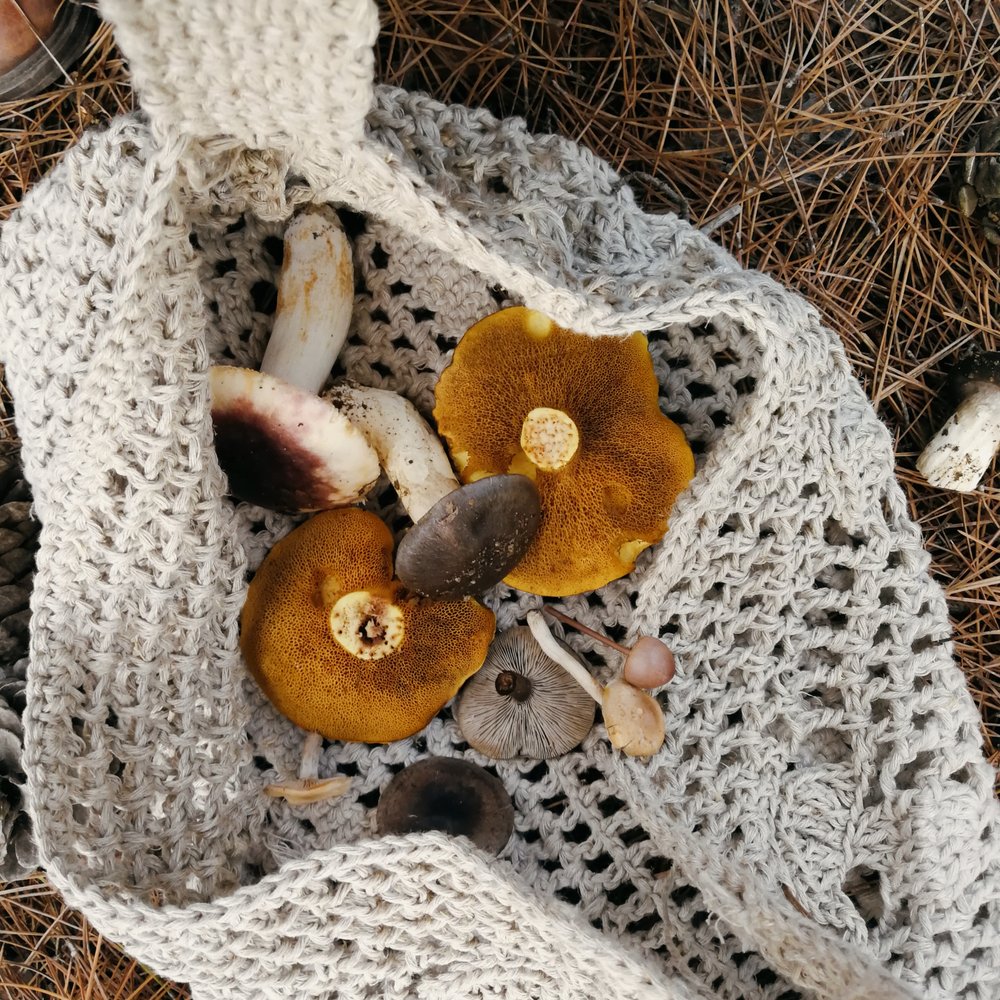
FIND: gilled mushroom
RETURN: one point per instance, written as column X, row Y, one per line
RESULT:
column 521, row 703
column 281, row 446
column 340, row 647
column 448, row 794
column 580, row 417
column 961, row 451
column 464, row 539
column 632, row 717
column 648, row 664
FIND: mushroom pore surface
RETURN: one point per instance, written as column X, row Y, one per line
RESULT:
column 607, row 495
column 340, row 647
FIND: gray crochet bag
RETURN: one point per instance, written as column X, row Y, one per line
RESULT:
column 820, row 822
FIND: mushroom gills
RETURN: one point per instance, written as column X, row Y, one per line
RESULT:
column 521, row 703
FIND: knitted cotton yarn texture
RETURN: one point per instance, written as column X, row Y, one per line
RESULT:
column 822, row 753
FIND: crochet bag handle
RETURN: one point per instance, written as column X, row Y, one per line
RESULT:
column 191, row 67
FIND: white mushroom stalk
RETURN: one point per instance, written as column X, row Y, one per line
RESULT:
column 569, row 663
column 315, row 298
column 410, row 452
column 961, row 451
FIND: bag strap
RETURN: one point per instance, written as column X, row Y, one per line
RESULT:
column 295, row 75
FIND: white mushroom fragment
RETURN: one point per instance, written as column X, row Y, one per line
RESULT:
column 309, row 786
column 961, row 451
column 281, row 446
column 632, row 717
column 520, row 703
column 464, row 539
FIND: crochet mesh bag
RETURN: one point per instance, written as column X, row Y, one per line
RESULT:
column 820, row 822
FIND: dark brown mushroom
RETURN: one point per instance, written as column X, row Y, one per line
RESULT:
column 471, row 538
column 448, row 794
column 465, row 539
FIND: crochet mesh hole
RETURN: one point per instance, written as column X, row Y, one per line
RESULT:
column 862, row 886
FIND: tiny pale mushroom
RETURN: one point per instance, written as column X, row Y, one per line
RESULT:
column 340, row 647
column 280, row 445
column 580, row 417
column 464, row 539
column 521, row 703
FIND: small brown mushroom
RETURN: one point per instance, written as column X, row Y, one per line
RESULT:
column 648, row 664
column 309, row 786
column 632, row 717
column 521, row 703
column 448, row 794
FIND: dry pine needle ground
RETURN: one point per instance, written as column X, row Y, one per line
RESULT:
column 819, row 138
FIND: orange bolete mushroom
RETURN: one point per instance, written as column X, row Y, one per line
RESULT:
column 340, row 646
column 580, row 416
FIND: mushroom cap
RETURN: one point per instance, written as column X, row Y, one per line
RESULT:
column 311, row 677
column 550, row 717
column 284, row 448
column 471, row 538
column 979, row 368
column 633, row 719
column 448, row 794
column 613, row 498
column 650, row 663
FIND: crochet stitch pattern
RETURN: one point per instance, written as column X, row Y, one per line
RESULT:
column 821, row 746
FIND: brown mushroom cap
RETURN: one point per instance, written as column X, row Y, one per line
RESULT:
column 521, row 703
column 340, row 647
column 448, row 794
column 471, row 538
column 610, row 497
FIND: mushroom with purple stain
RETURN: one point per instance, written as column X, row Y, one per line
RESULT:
column 280, row 445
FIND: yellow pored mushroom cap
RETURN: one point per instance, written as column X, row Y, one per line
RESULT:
column 579, row 415
column 342, row 648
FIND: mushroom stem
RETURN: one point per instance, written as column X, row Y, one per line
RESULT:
column 555, row 652
column 309, row 786
column 648, row 664
column 411, row 454
column 586, row 630
column 315, row 300
column 959, row 454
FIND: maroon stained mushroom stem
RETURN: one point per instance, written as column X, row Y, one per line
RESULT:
column 649, row 663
